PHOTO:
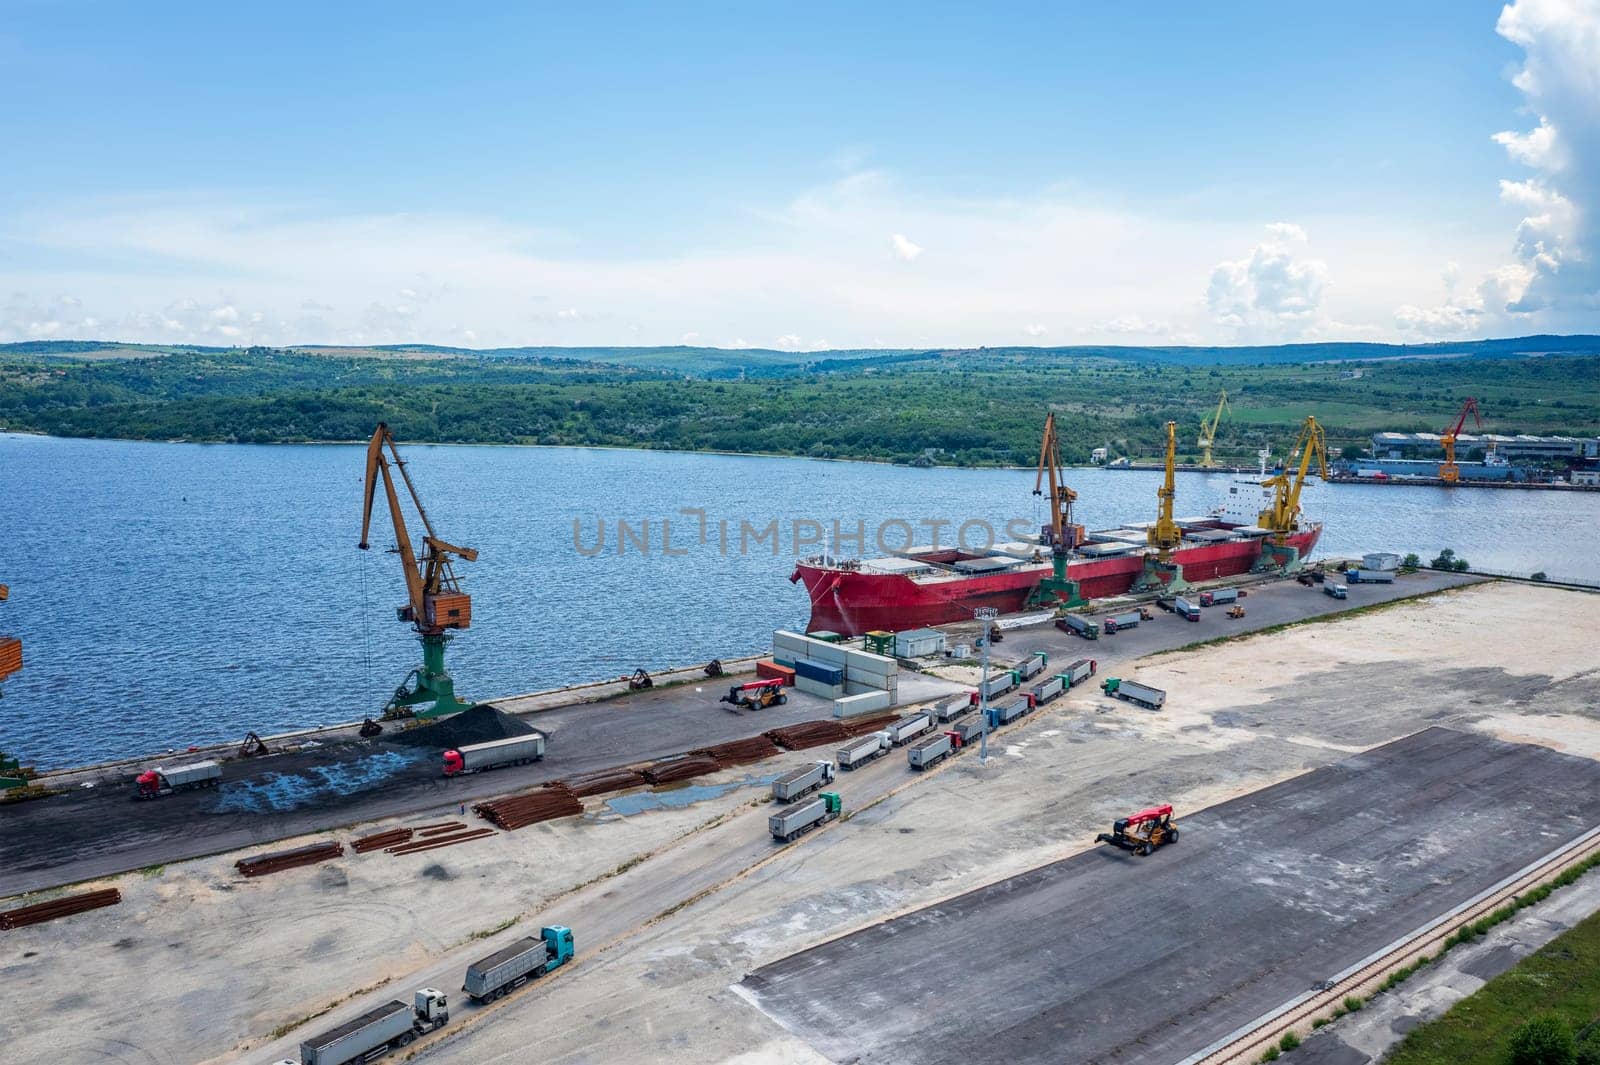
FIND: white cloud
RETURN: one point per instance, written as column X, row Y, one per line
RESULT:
column 1036, row 330
column 1124, row 324
column 904, row 248
column 788, row 342
column 1273, row 292
column 689, row 337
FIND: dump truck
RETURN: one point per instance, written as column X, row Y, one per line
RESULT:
column 510, row 967
column 997, row 684
column 1078, row 626
column 1078, row 672
column 1050, row 689
column 1031, row 667
column 1186, row 609
column 929, row 752
column 1219, row 597
column 796, row 820
column 1008, row 712
column 1134, row 692
column 1369, row 576
column 1338, row 591
column 946, row 710
column 861, row 750
column 495, row 754
column 908, row 728
column 1128, row 619
column 394, row 1024
column 802, row 782
column 164, row 780
column 967, row 732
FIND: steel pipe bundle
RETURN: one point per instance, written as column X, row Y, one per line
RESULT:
column 601, row 781
column 378, row 841
column 41, row 912
column 442, row 829
column 865, row 725
column 529, row 807
column 434, row 842
column 738, row 752
column 263, row 864
column 808, row 734
column 671, row 770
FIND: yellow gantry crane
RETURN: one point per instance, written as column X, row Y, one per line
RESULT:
column 1063, row 535
column 1283, row 517
column 435, row 602
column 1208, row 432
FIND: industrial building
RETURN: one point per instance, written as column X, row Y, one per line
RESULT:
column 1505, row 449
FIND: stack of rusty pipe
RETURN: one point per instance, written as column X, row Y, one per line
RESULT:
column 378, row 841
column 41, row 912
column 808, row 734
column 529, row 807
column 601, row 781
column 262, row 864
column 441, row 837
column 672, row 770
column 740, row 752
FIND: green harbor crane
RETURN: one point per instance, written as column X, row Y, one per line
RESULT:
column 435, row 603
column 1062, row 535
column 1208, row 432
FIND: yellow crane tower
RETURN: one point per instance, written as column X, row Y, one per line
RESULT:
column 1160, row 572
column 1282, row 517
column 1062, row 535
column 434, row 603
column 1208, row 432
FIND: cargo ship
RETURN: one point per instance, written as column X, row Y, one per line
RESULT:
column 927, row 586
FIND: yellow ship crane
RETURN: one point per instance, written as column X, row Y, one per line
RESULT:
column 1283, row 516
column 435, row 603
column 1062, row 535
column 1449, row 472
column 1160, row 571
column 1208, row 432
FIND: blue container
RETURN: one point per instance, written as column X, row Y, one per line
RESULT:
column 831, row 675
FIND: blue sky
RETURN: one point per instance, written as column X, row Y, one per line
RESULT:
column 799, row 176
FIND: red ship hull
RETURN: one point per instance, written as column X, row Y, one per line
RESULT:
column 851, row 602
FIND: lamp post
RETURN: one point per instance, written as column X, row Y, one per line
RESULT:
column 985, row 616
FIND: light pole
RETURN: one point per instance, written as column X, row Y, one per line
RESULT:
column 985, row 615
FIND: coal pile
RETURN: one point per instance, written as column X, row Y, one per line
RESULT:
column 480, row 724
column 277, row 861
column 672, row 770
column 601, row 781
column 869, row 724
column 41, row 912
column 529, row 807
column 739, row 752
column 808, row 734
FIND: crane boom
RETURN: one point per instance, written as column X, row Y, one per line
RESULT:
column 1449, row 472
column 1063, row 534
column 435, row 602
column 1165, row 535
column 1208, row 431
column 1283, row 517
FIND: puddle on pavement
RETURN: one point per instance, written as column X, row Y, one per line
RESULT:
column 281, row 792
column 677, row 796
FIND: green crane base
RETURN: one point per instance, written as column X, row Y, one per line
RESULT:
column 428, row 691
column 1159, row 576
column 1279, row 558
column 1056, row 590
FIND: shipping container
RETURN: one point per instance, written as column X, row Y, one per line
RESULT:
column 867, row 702
column 919, row 643
column 768, row 669
column 1383, row 560
column 819, row 672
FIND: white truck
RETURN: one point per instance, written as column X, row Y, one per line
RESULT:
column 476, row 757
column 392, row 1025
column 165, row 780
column 908, row 728
column 929, row 752
column 1134, row 692
column 789, row 823
column 1078, row 672
column 802, row 782
column 1369, row 576
column 861, row 750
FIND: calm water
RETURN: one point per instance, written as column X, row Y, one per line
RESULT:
column 171, row 594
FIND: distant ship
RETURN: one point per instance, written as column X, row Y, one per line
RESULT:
column 923, row 586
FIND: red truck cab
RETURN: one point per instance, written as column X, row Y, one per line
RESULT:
column 454, row 763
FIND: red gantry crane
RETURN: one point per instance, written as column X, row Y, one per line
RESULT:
column 435, row 603
column 1449, row 472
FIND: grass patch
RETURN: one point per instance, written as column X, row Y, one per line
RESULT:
column 485, row 933
column 1562, row 977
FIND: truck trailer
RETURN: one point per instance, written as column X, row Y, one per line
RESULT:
column 949, row 709
column 1134, row 692
column 1128, row 619
column 164, row 781
column 510, row 967
column 802, row 782
column 908, row 728
column 476, row 757
column 394, row 1024
column 997, row 684
column 1078, row 672
column 1079, row 626
column 1186, row 609
column 862, row 750
column 929, row 752
column 1032, row 666
column 794, row 821
column 1369, row 576
column 1048, row 690
column 1008, row 712
column 1219, row 597
column 967, row 732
